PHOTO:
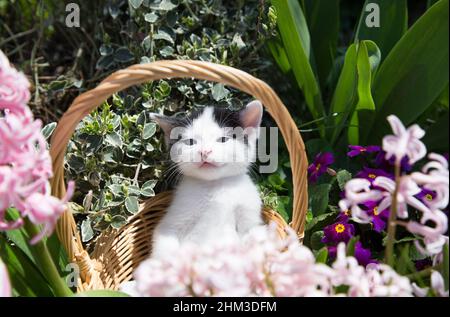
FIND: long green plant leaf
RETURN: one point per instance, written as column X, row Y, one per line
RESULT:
column 368, row 59
column 323, row 23
column 393, row 23
column 296, row 41
column 25, row 277
column 414, row 73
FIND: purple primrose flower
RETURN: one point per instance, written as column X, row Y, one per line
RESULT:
column 371, row 173
column 356, row 150
column 379, row 218
column 338, row 232
column 320, row 165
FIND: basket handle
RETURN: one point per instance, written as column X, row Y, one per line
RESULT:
column 137, row 74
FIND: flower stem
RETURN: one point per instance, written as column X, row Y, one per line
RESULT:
column 45, row 262
column 424, row 273
column 392, row 226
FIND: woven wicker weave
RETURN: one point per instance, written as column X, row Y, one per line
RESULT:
column 118, row 252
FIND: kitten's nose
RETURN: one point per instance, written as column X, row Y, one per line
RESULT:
column 205, row 153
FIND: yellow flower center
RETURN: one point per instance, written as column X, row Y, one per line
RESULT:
column 375, row 211
column 347, row 212
column 429, row 197
column 339, row 228
column 373, row 176
column 318, row 167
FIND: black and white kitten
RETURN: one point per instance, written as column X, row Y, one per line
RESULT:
column 216, row 198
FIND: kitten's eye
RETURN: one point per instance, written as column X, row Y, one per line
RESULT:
column 223, row 139
column 189, row 141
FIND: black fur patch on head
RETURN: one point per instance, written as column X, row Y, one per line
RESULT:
column 226, row 118
column 184, row 121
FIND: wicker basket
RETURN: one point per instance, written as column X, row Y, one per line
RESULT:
column 118, row 252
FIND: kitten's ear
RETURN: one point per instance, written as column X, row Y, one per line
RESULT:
column 251, row 115
column 166, row 123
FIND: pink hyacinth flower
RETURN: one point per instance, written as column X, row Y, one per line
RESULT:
column 405, row 195
column 433, row 237
column 14, row 87
column 358, row 191
column 25, row 163
column 404, row 142
column 46, row 209
column 435, row 177
column 5, row 285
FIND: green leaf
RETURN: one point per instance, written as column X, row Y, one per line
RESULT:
column 393, row 24
column 147, row 188
column 149, row 130
column 132, row 204
column 321, row 220
column 309, row 216
column 118, row 221
column 105, row 62
column 353, row 90
column 431, row 3
column 238, row 42
column 86, row 230
column 322, row 255
column 435, row 138
column 58, row 253
column 296, row 39
column 48, row 130
column 112, row 155
column 116, row 189
column 318, row 198
column 93, row 143
column 135, row 3
column 114, row 139
column 368, row 59
column 167, row 51
column 316, row 240
column 101, row 293
column 26, row 278
column 57, row 85
column 106, row 50
column 279, row 54
column 151, row 17
column 219, row 92
column 343, row 176
column 18, row 236
column 164, row 35
column 414, row 73
column 345, row 94
column 323, row 23
column 351, row 245
column 402, row 240
column 133, row 190
column 165, row 5
column 404, row 264
column 123, row 55
column 445, row 273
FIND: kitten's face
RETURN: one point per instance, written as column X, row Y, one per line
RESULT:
column 214, row 143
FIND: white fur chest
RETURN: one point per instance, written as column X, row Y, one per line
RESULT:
column 207, row 211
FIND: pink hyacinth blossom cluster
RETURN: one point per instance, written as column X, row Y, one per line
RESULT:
column 25, row 163
column 434, row 177
column 263, row 265
column 5, row 285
